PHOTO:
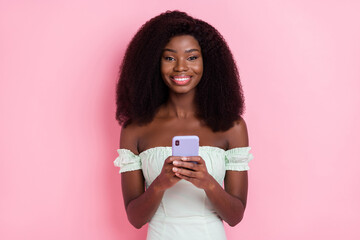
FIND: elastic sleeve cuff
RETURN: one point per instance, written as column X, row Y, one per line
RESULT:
column 127, row 161
column 237, row 159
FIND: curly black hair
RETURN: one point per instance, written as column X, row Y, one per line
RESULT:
column 141, row 89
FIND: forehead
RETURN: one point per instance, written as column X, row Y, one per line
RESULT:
column 183, row 42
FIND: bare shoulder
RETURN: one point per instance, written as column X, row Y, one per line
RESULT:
column 237, row 135
column 129, row 137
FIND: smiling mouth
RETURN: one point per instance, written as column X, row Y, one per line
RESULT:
column 181, row 80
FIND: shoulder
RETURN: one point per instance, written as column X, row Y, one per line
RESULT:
column 129, row 137
column 237, row 135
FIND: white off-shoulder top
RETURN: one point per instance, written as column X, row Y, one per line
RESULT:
column 185, row 212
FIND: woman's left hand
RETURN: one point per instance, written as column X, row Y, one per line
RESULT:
column 193, row 169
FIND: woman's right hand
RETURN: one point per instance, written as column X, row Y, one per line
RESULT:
column 167, row 177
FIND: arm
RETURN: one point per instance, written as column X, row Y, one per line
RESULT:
column 230, row 202
column 141, row 205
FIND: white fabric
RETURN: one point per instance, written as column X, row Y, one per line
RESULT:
column 185, row 212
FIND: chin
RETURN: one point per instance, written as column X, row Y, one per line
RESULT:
column 181, row 89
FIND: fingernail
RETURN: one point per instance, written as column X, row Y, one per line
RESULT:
column 174, row 169
column 175, row 162
column 184, row 158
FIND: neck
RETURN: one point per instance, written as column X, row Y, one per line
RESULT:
column 181, row 105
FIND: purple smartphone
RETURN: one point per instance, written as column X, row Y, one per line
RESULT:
column 185, row 146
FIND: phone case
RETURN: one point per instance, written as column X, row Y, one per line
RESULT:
column 185, row 146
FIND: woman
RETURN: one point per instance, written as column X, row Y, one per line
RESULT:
column 178, row 77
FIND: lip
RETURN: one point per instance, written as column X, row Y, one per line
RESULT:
column 180, row 79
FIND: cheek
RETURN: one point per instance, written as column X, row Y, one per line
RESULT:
column 164, row 68
column 198, row 68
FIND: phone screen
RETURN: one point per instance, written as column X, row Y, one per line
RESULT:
column 185, row 146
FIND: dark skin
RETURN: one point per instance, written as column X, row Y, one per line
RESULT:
column 182, row 67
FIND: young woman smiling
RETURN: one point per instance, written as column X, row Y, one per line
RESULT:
column 178, row 77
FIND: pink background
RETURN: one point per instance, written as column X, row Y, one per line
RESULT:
column 300, row 67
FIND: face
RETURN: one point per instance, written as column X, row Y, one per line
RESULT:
column 182, row 64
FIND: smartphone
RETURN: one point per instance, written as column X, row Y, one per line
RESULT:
column 185, row 146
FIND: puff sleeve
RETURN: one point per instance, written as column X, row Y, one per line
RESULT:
column 237, row 159
column 127, row 161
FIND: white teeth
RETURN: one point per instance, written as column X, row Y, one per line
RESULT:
column 181, row 79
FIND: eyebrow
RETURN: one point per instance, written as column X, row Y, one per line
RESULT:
column 186, row 51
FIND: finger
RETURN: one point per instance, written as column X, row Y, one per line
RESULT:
column 170, row 159
column 185, row 172
column 190, row 165
column 196, row 159
column 177, row 177
column 184, row 177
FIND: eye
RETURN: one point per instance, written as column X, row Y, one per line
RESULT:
column 192, row 58
column 169, row 58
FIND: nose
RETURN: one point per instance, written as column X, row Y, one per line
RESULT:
column 180, row 66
